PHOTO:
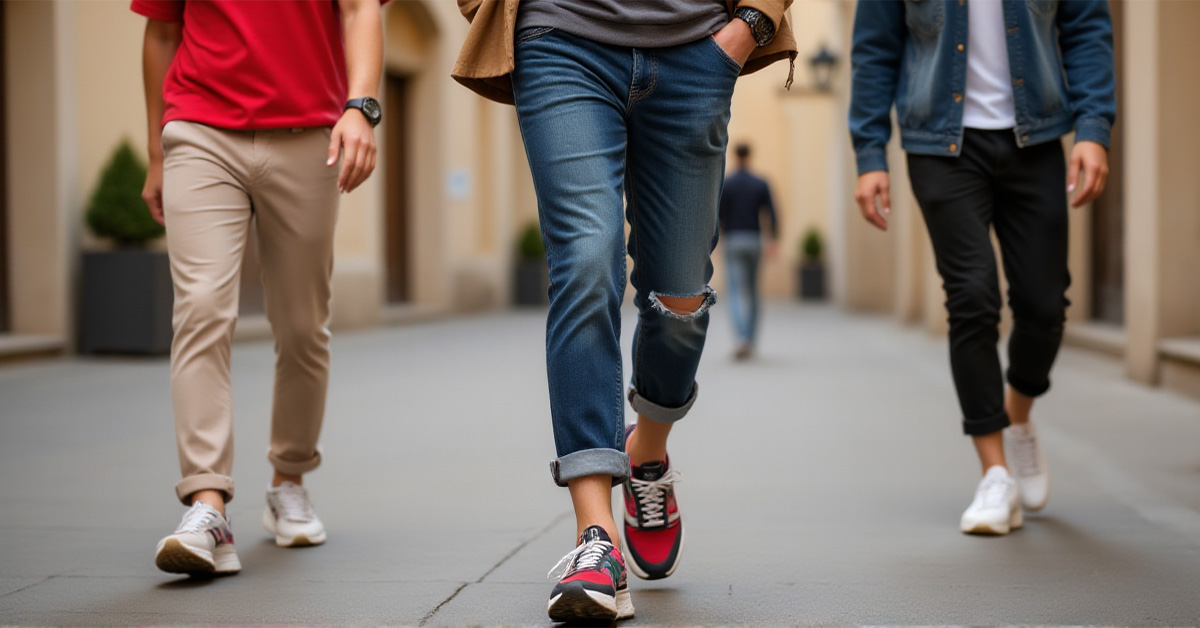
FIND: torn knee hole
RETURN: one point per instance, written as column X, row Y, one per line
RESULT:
column 683, row 307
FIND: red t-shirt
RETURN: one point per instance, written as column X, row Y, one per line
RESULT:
column 254, row 64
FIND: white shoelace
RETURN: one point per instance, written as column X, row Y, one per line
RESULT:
column 651, row 496
column 197, row 519
column 993, row 492
column 1024, row 454
column 293, row 503
column 585, row 556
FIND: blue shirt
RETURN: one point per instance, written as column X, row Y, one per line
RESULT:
column 913, row 53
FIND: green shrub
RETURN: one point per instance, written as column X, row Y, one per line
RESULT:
column 812, row 245
column 529, row 246
column 116, row 209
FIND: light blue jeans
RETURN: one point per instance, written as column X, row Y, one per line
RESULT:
column 617, row 134
column 743, row 250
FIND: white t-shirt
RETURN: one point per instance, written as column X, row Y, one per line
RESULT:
column 988, row 103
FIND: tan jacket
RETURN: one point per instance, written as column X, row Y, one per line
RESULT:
column 485, row 63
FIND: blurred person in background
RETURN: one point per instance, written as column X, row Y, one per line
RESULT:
column 249, row 105
column 984, row 91
column 621, row 99
column 745, row 203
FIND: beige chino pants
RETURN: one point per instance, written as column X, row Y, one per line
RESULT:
column 215, row 181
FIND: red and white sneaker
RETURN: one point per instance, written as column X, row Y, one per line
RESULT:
column 653, row 527
column 593, row 586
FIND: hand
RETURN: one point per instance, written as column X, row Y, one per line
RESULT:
column 874, row 185
column 1092, row 159
column 355, row 137
column 152, row 191
column 736, row 39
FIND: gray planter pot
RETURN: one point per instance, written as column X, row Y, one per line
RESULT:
column 812, row 281
column 126, row 302
column 531, row 283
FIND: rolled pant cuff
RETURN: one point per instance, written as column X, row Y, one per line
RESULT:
column 591, row 462
column 1025, row 389
column 291, row 467
column 661, row 414
column 983, row 427
column 204, row 482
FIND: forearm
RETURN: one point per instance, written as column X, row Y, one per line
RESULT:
column 158, row 51
column 362, row 32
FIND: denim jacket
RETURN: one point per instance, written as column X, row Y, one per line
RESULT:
column 913, row 53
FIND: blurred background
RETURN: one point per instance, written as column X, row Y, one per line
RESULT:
column 438, row 229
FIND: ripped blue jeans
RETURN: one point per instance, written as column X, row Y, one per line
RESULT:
column 616, row 134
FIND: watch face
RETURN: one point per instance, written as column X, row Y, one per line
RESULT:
column 763, row 31
column 371, row 107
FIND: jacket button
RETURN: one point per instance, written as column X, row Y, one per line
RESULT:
column 958, row 98
column 960, row 47
column 954, row 148
column 1019, row 82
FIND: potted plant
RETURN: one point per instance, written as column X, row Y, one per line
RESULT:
column 812, row 269
column 532, row 281
column 126, row 295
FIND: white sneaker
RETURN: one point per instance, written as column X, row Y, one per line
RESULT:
column 202, row 544
column 996, row 508
column 290, row 517
column 1028, row 462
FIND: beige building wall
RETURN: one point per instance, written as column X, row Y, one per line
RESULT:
column 1162, row 202
column 105, row 47
column 41, row 170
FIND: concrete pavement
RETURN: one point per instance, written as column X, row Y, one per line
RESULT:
column 823, row 484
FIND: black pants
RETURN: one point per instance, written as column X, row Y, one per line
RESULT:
column 1021, row 192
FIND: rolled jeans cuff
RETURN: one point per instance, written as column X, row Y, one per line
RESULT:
column 983, row 427
column 591, row 462
column 291, row 467
column 660, row 414
column 204, row 482
column 1025, row 388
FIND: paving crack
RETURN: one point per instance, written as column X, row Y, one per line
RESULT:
column 43, row 580
column 520, row 546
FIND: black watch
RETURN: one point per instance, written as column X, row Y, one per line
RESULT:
column 762, row 28
column 369, row 108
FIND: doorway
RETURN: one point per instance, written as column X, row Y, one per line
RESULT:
column 1108, row 210
column 397, row 227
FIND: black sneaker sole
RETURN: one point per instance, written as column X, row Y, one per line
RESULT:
column 578, row 604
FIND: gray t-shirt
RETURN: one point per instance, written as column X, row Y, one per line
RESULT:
column 634, row 23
